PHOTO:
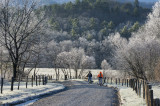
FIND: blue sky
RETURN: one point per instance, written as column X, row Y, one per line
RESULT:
column 148, row 0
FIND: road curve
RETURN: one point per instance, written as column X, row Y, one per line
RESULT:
column 81, row 94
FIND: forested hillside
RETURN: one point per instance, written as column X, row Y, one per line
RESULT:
column 91, row 24
column 100, row 17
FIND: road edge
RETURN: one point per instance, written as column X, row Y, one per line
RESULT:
column 117, row 94
column 34, row 97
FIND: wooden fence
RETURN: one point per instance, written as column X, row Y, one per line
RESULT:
column 137, row 85
column 37, row 80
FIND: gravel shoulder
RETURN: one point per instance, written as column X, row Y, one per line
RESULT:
column 80, row 93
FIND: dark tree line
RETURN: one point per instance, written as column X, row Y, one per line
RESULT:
column 101, row 16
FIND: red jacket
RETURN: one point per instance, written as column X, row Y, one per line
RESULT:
column 100, row 75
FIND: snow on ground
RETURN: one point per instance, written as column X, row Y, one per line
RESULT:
column 51, row 71
column 27, row 103
column 24, row 94
column 128, row 96
column 156, row 89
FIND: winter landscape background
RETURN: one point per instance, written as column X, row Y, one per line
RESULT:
column 68, row 38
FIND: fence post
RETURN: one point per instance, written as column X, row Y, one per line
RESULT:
column 46, row 80
column 127, row 82
column 122, row 82
column 32, row 80
column 136, row 87
column 111, row 80
column 1, row 85
column 12, row 83
column 140, row 89
column 19, row 80
column 148, row 92
column 26, row 81
column 151, row 97
column 43, row 79
column 119, row 81
column 36, row 80
column 156, row 102
column 39, row 80
column 104, row 79
column 143, row 90
column 133, row 84
column 116, row 81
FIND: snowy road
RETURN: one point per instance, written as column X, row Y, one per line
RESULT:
column 81, row 94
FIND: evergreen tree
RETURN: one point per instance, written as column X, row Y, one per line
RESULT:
column 135, row 27
column 136, row 4
column 110, row 25
column 124, row 32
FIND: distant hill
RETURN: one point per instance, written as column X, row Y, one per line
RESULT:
column 47, row 2
column 143, row 3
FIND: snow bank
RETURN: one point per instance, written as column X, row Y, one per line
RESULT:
column 22, row 95
column 128, row 96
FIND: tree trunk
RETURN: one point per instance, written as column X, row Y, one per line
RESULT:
column 70, row 73
column 14, row 70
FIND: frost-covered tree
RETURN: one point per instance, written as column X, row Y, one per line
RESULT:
column 105, row 65
column 66, row 45
column 51, row 52
column 110, row 45
column 76, row 59
column 88, row 62
column 18, row 25
column 141, row 55
column 63, row 61
column 139, row 59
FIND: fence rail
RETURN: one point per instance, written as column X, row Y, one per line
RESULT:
column 137, row 86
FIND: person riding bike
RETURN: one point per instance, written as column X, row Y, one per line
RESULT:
column 100, row 76
column 89, row 77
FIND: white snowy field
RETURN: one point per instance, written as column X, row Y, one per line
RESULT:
column 24, row 94
column 128, row 96
column 51, row 71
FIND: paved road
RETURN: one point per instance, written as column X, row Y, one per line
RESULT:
column 81, row 94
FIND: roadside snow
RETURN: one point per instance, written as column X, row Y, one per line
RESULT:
column 156, row 91
column 27, row 103
column 128, row 96
column 22, row 95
